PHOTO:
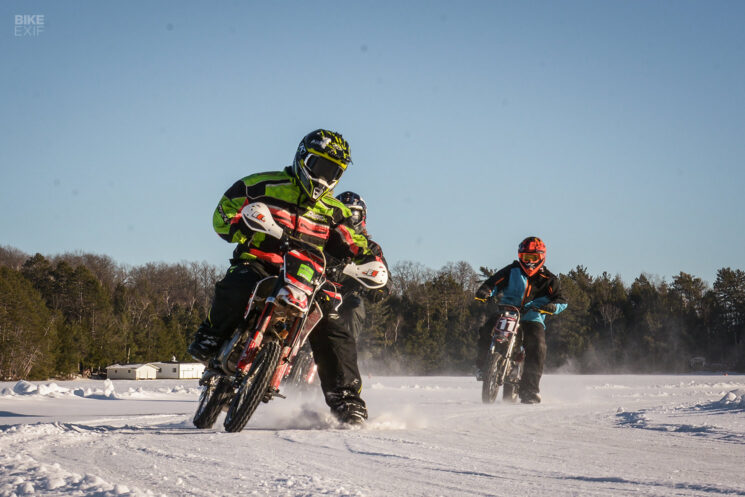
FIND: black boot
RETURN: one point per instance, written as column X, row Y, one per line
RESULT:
column 530, row 397
column 347, row 406
column 205, row 345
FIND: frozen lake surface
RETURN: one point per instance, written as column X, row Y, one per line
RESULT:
column 426, row 436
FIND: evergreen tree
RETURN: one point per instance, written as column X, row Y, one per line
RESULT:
column 729, row 319
column 27, row 329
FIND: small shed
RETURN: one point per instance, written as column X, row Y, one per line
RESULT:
column 179, row 370
column 131, row 372
column 697, row 363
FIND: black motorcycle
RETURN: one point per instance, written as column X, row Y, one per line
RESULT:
column 504, row 362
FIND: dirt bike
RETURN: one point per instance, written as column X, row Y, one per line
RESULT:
column 504, row 362
column 303, row 375
column 505, row 357
column 282, row 312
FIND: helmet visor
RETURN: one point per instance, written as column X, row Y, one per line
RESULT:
column 356, row 216
column 530, row 257
column 322, row 169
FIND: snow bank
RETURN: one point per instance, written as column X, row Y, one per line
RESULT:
column 23, row 475
column 734, row 398
column 25, row 389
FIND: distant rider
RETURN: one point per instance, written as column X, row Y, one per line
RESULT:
column 300, row 201
column 530, row 286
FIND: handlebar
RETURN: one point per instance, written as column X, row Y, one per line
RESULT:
column 522, row 310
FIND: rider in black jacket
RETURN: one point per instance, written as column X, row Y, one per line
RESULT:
column 530, row 286
column 353, row 308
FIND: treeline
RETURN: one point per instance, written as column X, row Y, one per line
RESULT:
column 78, row 313
column 429, row 323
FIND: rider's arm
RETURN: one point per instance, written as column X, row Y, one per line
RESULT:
column 344, row 241
column 494, row 283
column 226, row 219
column 552, row 300
column 377, row 251
column 558, row 301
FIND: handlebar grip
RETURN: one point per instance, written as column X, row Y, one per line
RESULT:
column 525, row 310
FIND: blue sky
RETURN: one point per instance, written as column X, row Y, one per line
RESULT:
column 613, row 130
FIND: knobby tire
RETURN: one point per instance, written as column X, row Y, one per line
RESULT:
column 490, row 388
column 297, row 377
column 253, row 387
column 509, row 393
column 211, row 402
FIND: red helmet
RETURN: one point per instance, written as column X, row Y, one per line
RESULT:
column 531, row 254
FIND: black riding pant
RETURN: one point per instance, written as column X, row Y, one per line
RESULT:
column 534, row 342
column 353, row 313
column 231, row 298
column 334, row 348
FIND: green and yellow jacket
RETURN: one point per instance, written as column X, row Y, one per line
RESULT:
column 321, row 223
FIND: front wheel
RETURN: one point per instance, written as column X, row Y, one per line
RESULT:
column 253, row 387
column 211, row 401
column 490, row 387
column 511, row 386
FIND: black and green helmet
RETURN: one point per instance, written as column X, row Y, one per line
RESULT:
column 320, row 160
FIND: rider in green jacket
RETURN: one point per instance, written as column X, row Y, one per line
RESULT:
column 300, row 200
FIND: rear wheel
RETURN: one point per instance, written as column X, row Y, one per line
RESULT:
column 253, row 387
column 509, row 393
column 298, row 377
column 490, row 387
column 214, row 396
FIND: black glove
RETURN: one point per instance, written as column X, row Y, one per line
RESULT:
column 483, row 293
column 550, row 308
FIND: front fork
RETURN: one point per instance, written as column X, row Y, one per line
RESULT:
column 252, row 347
column 508, row 355
column 297, row 334
column 285, row 355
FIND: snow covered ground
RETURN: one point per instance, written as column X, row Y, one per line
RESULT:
column 592, row 436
